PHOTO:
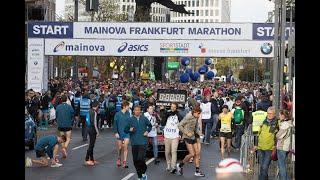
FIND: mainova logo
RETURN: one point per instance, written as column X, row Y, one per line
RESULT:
column 78, row 47
column 133, row 47
column 59, row 46
column 266, row 48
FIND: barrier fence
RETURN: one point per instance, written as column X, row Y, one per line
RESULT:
column 250, row 162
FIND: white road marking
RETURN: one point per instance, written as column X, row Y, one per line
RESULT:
column 149, row 161
column 128, row 176
column 131, row 174
column 80, row 146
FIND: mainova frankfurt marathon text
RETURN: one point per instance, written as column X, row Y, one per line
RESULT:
column 162, row 30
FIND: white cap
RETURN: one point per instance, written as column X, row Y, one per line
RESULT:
column 229, row 165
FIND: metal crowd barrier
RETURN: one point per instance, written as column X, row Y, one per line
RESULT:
column 250, row 162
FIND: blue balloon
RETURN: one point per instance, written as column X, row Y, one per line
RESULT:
column 206, row 68
column 185, row 61
column 203, row 69
column 189, row 71
column 195, row 76
column 210, row 74
column 208, row 61
column 184, row 78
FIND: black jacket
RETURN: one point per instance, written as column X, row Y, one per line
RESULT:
column 215, row 106
column 167, row 114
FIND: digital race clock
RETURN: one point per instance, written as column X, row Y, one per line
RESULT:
column 167, row 96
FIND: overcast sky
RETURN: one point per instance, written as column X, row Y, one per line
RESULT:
column 241, row 10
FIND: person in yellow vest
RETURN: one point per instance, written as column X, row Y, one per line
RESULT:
column 266, row 142
column 257, row 119
column 225, row 124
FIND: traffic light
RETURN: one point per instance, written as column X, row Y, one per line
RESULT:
column 285, row 74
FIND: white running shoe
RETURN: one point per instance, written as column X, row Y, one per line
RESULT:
column 199, row 174
column 28, row 162
column 56, row 165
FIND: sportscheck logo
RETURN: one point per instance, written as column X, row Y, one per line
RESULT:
column 133, row 47
column 59, row 46
column 266, row 48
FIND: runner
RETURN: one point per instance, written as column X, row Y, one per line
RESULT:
column 238, row 116
column 225, row 125
column 153, row 133
column 84, row 114
column 171, row 136
column 207, row 119
column 47, row 145
column 64, row 114
column 139, row 127
column 93, row 132
column 189, row 127
column 121, row 120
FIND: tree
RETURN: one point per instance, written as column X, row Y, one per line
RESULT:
column 251, row 69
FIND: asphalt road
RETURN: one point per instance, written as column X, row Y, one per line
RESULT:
column 105, row 153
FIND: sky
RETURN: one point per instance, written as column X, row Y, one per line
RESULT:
column 241, row 10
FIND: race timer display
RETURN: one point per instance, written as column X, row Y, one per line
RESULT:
column 167, row 96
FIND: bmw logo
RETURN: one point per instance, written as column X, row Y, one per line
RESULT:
column 266, row 48
column 35, row 63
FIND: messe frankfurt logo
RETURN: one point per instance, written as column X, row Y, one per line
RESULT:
column 266, row 48
column 59, row 46
column 202, row 49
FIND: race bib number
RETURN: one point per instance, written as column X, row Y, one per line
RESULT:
column 225, row 128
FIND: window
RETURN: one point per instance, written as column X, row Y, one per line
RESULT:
column 152, row 10
column 189, row 4
column 201, row 13
column 197, row 20
column 128, row 0
column 207, row 12
column 124, row 0
column 201, row 20
column 202, row 3
column 217, row 20
column 128, row 7
column 217, row 12
column 197, row 13
column 211, row 20
column 211, row 3
column 132, row 1
column 206, row 20
column 192, row 20
column 198, row 3
column 207, row 3
column 189, row 20
column 124, row 8
column 211, row 12
column 192, row 12
column 193, row 3
column 217, row 3
column 185, row 2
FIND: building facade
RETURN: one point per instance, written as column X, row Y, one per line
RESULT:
column 158, row 13
column 40, row 10
column 204, row 11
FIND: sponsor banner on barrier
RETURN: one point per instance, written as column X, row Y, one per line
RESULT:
column 200, row 48
column 217, row 31
column 50, row 29
column 35, row 64
column 265, row 31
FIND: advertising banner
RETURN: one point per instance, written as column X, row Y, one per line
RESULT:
column 163, row 48
column 217, row 31
column 35, row 64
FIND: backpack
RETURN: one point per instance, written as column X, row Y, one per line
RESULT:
column 238, row 115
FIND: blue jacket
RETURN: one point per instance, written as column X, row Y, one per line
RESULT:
column 64, row 114
column 47, row 144
column 140, row 127
column 121, row 120
column 85, row 107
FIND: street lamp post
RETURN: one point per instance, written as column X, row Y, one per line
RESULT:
column 74, row 60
